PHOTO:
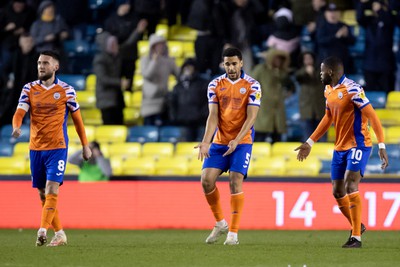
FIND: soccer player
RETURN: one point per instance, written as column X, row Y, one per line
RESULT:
column 234, row 100
column 349, row 110
column 49, row 101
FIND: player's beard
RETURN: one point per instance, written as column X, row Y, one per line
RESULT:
column 326, row 80
column 45, row 76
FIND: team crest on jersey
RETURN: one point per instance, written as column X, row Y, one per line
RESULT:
column 340, row 95
column 56, row 95
column 242, row 90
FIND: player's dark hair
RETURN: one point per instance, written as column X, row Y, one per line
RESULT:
column 334, row 63
column 51, row 53
column 231, row 52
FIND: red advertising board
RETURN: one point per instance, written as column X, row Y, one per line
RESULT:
column 181, row 204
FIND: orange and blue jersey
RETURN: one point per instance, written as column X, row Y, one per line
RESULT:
column 232, row 98
column 49, row 107
column 344, row 102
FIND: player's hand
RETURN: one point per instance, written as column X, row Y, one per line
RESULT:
column 16, row 132
column 86, row 152
column 384, row 158
column 204, row 149
column 231, row 147
column 304, row 151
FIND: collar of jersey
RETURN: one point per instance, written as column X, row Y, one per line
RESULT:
column 51, row 86
column 340, row 82
column 241, row 77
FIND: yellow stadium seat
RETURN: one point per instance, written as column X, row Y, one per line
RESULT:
column 21, row 150
column 188, row 50
column 91, row 116
column 104, row 147
column 175, row 49
column 195, row 167
column 72, row 169
column 91, row 82
column 261, row 150
column 74, row 137
column 128, row 98
column 393, row 99
column 111, row 133
column 323, row 151
column 331, row 134
column 143, row 48
column 349, row 17
column 116, row 165
column 308, row 167
column 137, row 66
column 86, row 99
column 182, row 33
column 162, row 30
column 373, row 136
column 157, row 150
column 137, row 82
column 285, row 149
column 172, row 166
column 73, row 147
column 186, row 149
column 393, row 135
column 267, row 166
column 171, row 82
column 125, row 150
column 16, row 165
column 132, row 116
column 389, row 117
column 137, row 99
column 138, row 166
column 179, row 61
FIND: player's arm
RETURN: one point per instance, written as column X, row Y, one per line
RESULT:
column 252, row 111
column 211, row 127
column 17, row 122
column 322, row 128
column 80, row 129
column 370, row 113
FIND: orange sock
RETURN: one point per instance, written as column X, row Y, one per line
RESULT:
column 56, row 223
column 237, row 201
column 355, row 211
column 344, row 206
column 48, row 211
column 215, row 205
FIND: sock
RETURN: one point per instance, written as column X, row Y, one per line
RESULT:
column 48, row 210
column 355, row 211
column 215, row 204
column 237, row 201
column 56, row 223
column 344, row 206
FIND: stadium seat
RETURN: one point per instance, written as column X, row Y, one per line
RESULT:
column 393, row 135
column 132, row 116
column 171, row 82
column 138, row 166
column 172, row 166
column 285, row 149
column 175, row 49
column 16, row 165
column 86, row 99
column 75, row 80
column 374, row 166
column 125, row 150
column 172, row 134
column 393, row 100
column 322, row 151
column 77, row 48
column 6, row 149
column 349, row 17
column 111, row 133
column 116, row 165
column 331, row 134
column 138, row 83
column 143, row 134
column 389, row 117
column 6, row 132
column 91, row 82
column 186, row 149
column 377, row 99
column 72, row 169
column 137, row 66
column 188, row 50
column 91, row 116
column 325, row 166
column 261, row 150
column 195, row 167
column 74, row 137
column 73, row 147
column 309, row 167
column 100, row 4
column 157, row 150
column 21, row 150
column 137, row 99
column 267, row 166
column 182, row 33
column 127, row 99
column 143, row 48
column 162, row 30
column 358, row 78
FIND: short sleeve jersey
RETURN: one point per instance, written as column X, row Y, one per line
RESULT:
column 232, row 98
column 49, row 108
column 345, row 102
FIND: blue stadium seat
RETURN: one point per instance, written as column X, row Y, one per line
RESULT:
column 143, row 134
column 374, row 166
column 75, row 80
column 75, row 48
column 173, row 134
column 325, row 166
column 358, row 78
column 6, row 149
column 393, row 152
column 377, row 99
column 6, row 131
column 96, row 4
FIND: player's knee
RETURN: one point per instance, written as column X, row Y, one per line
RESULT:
column 207, row 185
column 351, row 187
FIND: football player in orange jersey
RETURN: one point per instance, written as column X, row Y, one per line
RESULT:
column 49, row 101
column 349, row 110
column 234, row 100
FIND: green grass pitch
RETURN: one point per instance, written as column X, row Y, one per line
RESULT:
column 187, row 248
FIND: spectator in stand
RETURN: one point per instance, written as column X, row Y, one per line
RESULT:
column 275, row 83
column 156, row 67
column 311, row 97
column 379, row 59
column 188, row 104
column 149, row 10
column 334, row 37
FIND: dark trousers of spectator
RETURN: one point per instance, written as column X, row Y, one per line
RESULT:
column 208, row 53
column 379, row 81
column 309, row 125
column 112, row 116
column 267, row 137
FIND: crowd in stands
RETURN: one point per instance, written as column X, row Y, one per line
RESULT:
column 148, row 62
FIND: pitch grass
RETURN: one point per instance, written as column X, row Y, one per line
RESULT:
column 187, row 248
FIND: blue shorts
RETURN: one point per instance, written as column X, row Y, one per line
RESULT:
column 354, row 159
column 47, row 165
column 237, row 161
